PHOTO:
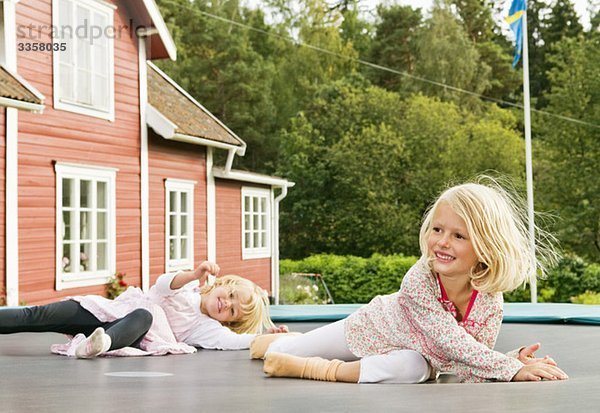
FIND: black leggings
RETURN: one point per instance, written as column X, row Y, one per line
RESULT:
column 69, row 317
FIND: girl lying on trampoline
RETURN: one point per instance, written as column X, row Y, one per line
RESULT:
column 175, row 316
column 446, row 316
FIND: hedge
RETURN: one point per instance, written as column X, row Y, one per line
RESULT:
column 353, row 279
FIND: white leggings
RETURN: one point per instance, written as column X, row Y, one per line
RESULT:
column 329, row 342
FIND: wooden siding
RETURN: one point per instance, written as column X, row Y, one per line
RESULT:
column 2, row 205
column 69, row 137
column 229, row 237
column 174, row 160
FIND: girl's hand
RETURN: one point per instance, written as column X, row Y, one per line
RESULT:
column 203, row 270
column 278, row 329
column 527, row 355
column 538, row 371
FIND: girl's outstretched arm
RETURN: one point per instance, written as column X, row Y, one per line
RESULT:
column 201, row 273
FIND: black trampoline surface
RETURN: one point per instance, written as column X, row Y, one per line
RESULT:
column 34, row 380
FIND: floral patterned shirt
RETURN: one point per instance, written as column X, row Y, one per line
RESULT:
column 415, row 318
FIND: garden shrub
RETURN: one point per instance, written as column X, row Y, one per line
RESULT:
column 357, row 280
column 353, row 279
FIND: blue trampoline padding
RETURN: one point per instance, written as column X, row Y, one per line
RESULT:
column 513, row 313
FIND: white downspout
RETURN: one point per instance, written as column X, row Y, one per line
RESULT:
column 230, row 156
column 11, row 213
column 275, row 244
column 211, row 208
column 144, row 167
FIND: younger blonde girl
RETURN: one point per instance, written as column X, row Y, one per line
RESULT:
column 175, row 316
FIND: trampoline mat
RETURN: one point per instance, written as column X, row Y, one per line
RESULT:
column 513, row 313
column 32, row 379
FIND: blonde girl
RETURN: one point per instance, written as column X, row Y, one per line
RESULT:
column 447, row 315
column 175, row 316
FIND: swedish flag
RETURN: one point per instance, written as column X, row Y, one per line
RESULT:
column 515, row 19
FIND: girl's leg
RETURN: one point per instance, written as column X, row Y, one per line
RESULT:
column 124, row 332
column 66, row 317
column 129, row 330
column 316, row 355
column 399, row 366
column 328, row 342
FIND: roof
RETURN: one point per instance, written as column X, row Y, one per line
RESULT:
column 148, row 17
column 16, row 92
column 173, row 112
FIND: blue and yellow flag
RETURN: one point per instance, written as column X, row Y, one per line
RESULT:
column 515, row 19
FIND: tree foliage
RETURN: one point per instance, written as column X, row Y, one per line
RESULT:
column 570, row 152
column 367, row 147
column 367, row 163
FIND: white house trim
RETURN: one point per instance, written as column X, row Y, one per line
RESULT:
column 144, row 168
column 19, row 104
column 9, row 60
column 11, row 217
column 157, row 121
column 275, row 245
column 252, row 177
column 211, row 208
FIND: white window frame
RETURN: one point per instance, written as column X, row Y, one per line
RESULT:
column 265, row 250
column 61, row 103
column 179, row 186
column 95, row 174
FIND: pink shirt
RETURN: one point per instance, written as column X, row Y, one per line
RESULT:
column 417, row 318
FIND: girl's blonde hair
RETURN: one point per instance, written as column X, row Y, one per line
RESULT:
column 255, row 316
column 497, row 223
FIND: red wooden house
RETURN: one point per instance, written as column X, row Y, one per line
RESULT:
column 107, row 164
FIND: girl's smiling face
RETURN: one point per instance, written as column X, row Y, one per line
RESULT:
column 224, row 303
column 449, row 244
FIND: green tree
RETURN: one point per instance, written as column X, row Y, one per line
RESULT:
column 446, row 55
column 394, row 45
column 301, row 70
column 570, row 152
column 354, row 29
column 546, row 27
column 489, row 41
column 367, row 164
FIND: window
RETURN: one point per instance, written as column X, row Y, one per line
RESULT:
column 83, row 71
column 256, row 217
column 85, row 199
column 179, row 223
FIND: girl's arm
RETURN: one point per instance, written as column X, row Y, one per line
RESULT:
column 201, row 274
column 170, row 283
column 210, row 334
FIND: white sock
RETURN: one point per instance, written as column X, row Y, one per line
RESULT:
column 98, row 342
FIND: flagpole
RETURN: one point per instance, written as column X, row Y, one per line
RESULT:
column 528, row 155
